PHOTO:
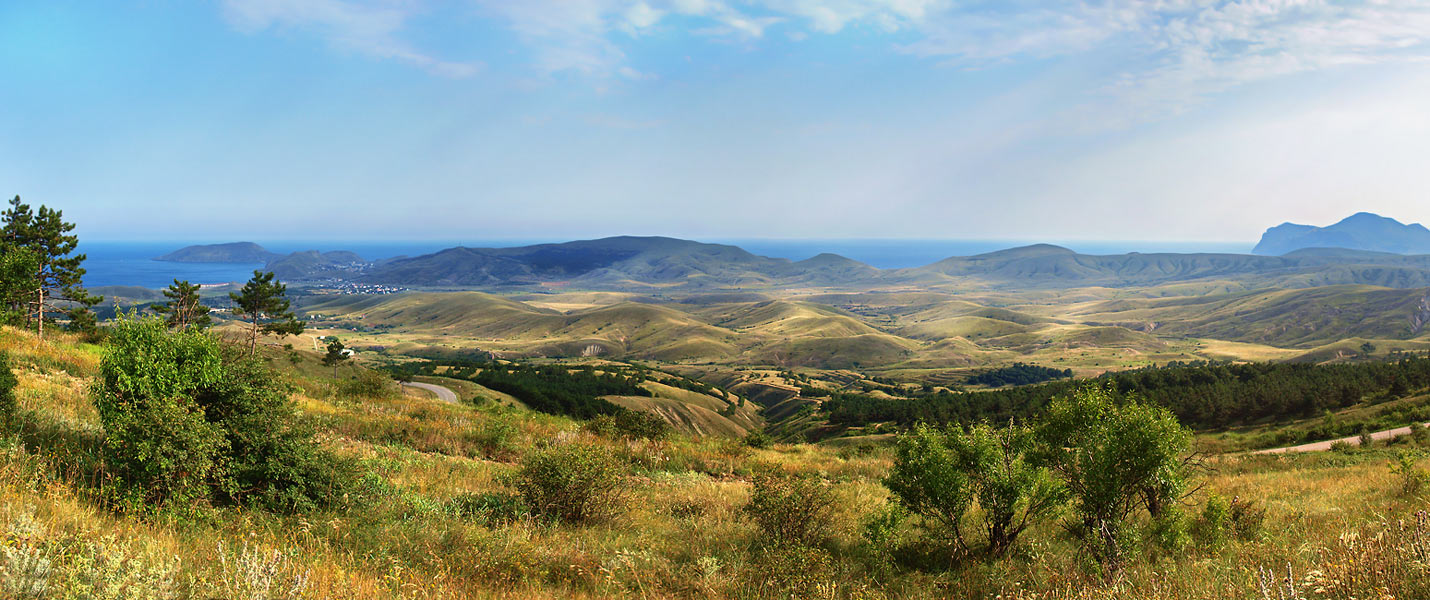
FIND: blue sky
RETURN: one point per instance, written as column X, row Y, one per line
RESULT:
column 557, row 119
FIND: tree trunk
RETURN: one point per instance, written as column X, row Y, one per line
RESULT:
column 40, row 312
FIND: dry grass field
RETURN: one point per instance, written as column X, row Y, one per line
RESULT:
column 1336, row 525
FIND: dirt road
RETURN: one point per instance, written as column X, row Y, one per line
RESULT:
column 1326, row 445
column 443, row 394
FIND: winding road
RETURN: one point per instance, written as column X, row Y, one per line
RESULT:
column 1326, row 445
column 443, row 394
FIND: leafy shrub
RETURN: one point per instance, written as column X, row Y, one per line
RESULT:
column 185, row 422
column 628, row 424
column 758, row 439
column 1413, row 480
column 367, row 384
column 1247, row 518
column 1114, row 459
column 1170, row 531
column 880, row 531
column 791, row 508
column 8, row 383
column 939, row 475
column 791, row 571
column 573, row 482
column 1214, row 523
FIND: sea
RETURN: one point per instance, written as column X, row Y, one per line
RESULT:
column 131, row 263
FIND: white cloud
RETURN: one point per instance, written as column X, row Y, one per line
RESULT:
column 1176, row 53
column 368, row 28
column 1171, row 54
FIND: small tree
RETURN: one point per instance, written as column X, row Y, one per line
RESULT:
column 8, row 383
column 940, row 474
column 336, row 354
column 1114, row 459
column 183, row 308
column 57, row 273
column 929, row 480
column 1012, row 491
column 263, row 302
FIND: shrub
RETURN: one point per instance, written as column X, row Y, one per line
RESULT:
column 758, row 439
column 159, row 447
column 1214, row 523
column 791, row 508
column 1114, row 459
column 628, row 424
column 8, row 383
column 573, row 482
column 939, row 475
column 367, row 384
column 1247, row 518
column 184, row 421
column 1413, row 479
column 880, row 531
column 791, row 572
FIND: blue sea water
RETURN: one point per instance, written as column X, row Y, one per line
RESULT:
column 131, row 263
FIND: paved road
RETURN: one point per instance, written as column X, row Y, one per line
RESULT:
column 1326, row 445
column 443, row 394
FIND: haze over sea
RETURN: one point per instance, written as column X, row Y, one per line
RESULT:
column 131, row 263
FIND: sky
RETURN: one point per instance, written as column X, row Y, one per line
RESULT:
column 714, row 119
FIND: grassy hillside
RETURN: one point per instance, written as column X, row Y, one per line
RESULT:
column 424, row 525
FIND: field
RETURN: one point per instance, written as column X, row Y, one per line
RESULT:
column 1337, row 525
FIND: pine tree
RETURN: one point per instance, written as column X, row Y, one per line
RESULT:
column 263, row 302
column 335, row 355
column 17, row 282
column 8, row 383
column 183, row 307
column 58, row 275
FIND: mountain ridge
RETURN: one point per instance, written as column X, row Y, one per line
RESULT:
column 1360, row 231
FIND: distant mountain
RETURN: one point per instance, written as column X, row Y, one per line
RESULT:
column 611, row 261
column 657, row 264
column 235, row 252
column 1360, row 231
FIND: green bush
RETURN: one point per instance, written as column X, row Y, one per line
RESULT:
column 368, row 384
column 790, row 571
column 572, row 482
column 1247, row 518
column 791, row 508
column 628, row 424
column 186, row 421
column 160, row 453
column 1214, row 523
column 8, row 383
column 758, row 439
column 1116, row 456
column 940, row 474
column 1413, row 480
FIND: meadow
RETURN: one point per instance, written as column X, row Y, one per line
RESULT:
column 432, row 516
